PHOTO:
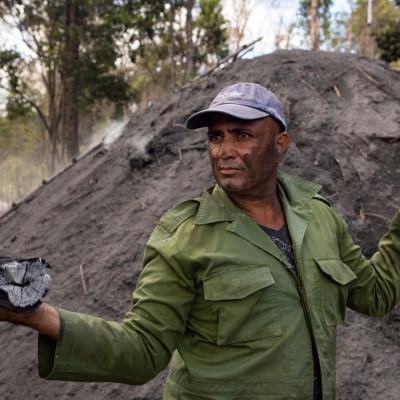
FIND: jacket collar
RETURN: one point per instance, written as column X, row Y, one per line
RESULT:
column 216, row 206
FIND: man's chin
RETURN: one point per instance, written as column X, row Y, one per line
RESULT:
column 230, row 186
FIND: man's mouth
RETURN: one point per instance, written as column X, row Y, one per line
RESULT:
column 227, row 170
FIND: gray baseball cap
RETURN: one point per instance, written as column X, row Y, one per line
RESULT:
column 244, row 100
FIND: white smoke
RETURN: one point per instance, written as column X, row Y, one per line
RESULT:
column 113, row 132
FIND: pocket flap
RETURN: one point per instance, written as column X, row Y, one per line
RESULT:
column 337, row 270
column 237, row 283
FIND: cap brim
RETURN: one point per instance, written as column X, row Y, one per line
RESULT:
column 201, row 119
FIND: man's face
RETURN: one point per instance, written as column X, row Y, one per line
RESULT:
column 244, row 154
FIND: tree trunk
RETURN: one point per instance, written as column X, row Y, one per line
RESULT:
column 370, row 39
column 46, row 148
column 314, row 24
column 349, row 34
column 53, row 115
column 189, row 70
column 172, row 45
column 70, row 80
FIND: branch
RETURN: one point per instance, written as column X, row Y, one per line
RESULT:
column 31, row 102
column 22, row 28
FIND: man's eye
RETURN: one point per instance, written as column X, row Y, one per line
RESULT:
column 242, row 135
column 213, row 137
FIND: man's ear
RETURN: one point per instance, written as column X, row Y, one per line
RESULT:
column 282, row 145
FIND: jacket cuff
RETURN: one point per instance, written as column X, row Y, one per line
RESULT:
column 46, row 353
column 49, row 350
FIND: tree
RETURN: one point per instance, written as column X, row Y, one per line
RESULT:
column 20, row 157
column 173, row 39
column 341, row 36
column 189, row 70
column 70, row 78
column 211, row 34
column 72, row 45
column 388, row 39
column 241, row 12
column 388, row 42
column 314, row 25
column 74, row 50
column 315, row 15
column 385, row 16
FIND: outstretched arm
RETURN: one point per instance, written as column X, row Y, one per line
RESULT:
column 44, row 319
column 377, row 289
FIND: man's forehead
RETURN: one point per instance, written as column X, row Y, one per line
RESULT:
column 219, row 119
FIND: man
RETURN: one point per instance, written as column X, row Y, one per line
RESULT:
column 242, row 288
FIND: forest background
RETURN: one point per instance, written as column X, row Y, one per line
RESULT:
column 70, row 70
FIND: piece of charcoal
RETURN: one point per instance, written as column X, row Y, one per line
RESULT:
column 23, row 283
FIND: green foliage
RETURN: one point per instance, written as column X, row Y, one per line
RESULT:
column 339, row 35
column 97, row 30
column 159, row 45
column 212, row 33
column 13, row 65
column 21, row 156
column 101, row 24
column 99, row 77
column 388, row 41
column 145, row 21
column 385, row 16
column 16, row 107
column 388, row 38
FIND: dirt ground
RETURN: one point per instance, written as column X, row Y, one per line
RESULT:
column 343, row 114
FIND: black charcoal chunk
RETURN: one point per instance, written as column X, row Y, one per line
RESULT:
column 23, row 283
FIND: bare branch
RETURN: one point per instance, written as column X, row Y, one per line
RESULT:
column 30, row 102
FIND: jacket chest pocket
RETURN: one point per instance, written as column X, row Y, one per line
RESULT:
column 334, row 290
column 246, row 304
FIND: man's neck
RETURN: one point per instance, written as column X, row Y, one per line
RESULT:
column 266, row 211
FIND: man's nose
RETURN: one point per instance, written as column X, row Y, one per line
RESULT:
column 227, row 149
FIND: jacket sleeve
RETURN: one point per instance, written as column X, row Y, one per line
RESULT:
column 377, row 287
column 134, row 351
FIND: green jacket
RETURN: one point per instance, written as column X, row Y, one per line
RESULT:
column 215, row 297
